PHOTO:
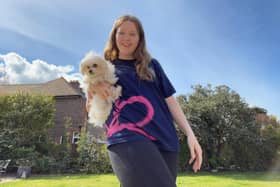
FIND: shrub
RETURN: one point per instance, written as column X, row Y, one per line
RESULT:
column 93, row 157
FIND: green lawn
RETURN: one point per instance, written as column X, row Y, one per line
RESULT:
column 183, row 180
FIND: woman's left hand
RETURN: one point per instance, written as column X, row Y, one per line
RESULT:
column 196, row 153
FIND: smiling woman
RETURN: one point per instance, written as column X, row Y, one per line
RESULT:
column 141, row 119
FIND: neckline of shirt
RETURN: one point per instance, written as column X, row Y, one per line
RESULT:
column 125, row 62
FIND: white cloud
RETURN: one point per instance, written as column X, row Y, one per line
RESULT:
column 15, row 69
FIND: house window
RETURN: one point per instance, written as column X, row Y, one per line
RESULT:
column 75, row 137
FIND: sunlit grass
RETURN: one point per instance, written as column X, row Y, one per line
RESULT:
column 254, row 179
column 108, row 180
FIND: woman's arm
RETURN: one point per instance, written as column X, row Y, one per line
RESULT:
column 182, row 122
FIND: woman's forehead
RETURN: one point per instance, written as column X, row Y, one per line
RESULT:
column 127, row 26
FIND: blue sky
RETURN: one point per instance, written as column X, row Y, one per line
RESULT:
column 220, row 42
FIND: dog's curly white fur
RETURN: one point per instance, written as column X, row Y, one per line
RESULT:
column 96, row 70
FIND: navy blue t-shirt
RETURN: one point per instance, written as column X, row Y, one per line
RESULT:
column 141, row 112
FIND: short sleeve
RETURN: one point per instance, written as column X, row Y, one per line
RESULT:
column 165, row 86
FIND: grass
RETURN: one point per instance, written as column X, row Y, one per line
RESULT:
column 254, row 179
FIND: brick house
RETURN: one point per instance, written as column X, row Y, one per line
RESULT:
column 261, row 116
column 69, row 104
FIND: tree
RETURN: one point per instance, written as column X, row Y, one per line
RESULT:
column 24, row 122
column 218, row 116
column 7, row 143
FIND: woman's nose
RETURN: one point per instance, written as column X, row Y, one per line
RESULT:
column 126, row 37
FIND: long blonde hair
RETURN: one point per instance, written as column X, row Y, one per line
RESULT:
column 142, row 56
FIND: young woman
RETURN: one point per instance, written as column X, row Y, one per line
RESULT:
column 142, row 140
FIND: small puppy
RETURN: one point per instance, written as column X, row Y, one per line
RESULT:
column 97, row 70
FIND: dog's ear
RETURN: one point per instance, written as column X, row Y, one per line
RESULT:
column 83, row 68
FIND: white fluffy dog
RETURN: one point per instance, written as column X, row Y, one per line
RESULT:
column 96, row 70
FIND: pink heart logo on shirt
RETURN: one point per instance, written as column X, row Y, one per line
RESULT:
column 116, row 126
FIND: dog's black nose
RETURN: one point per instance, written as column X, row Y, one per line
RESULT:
column 90, row 71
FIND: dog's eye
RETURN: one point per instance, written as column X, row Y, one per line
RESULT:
column 88, row 67
column 94, row 65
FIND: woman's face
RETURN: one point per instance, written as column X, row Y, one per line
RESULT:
column 127, row 39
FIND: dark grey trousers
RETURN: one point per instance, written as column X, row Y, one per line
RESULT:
column 142, row 164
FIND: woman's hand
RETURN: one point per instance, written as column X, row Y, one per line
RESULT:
column 196, row 153
column 104, row 89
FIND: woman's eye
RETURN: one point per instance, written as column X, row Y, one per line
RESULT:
column 121, row 33
column 132, row 34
